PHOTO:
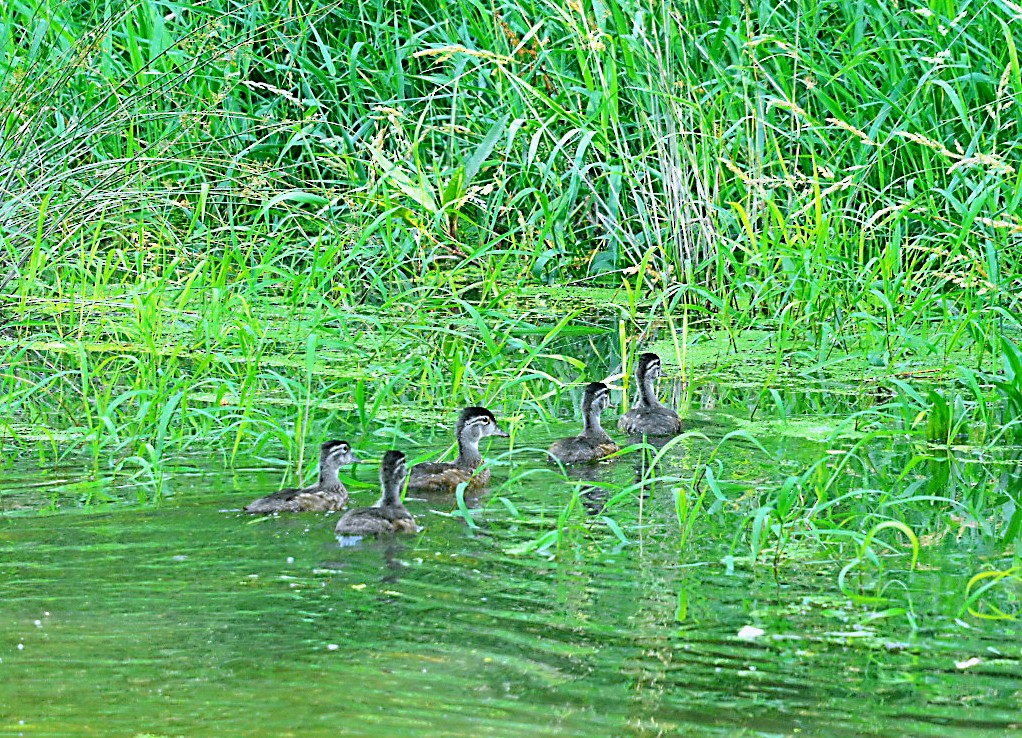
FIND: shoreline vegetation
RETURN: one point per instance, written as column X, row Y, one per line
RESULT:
column 233, row 225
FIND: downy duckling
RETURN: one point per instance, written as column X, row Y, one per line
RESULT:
column 388, row 515
column 326, row 494
column 648, row 415
column 593, row 443
column 474, row 424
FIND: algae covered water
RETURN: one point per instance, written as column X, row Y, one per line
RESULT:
column 546, row 607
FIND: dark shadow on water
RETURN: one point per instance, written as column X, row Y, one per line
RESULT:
column 390, row 551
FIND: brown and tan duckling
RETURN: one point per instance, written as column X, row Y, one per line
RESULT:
column 648, row 415
column 388, row 515
column 474, row 424
column 593, row 443
column 326, row 494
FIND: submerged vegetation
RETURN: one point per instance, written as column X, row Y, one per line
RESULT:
column 238, row 226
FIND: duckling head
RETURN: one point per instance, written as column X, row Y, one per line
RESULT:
column 478, row 422
column 392, row 475
column 335, row 454
column 596, row 398
column 648, row 367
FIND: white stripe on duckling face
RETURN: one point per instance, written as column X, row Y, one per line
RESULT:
column 338, row 452
column 487, row 426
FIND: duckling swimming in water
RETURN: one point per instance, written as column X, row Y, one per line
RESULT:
column 593, row 443
column 648, row 415
column 388, row 515
column 474, row 424
column 326, row 494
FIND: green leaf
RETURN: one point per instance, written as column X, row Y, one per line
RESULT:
column 615, row 528
column 484, row 149
column 299, row 196
column 455, row 187
column 403, row 182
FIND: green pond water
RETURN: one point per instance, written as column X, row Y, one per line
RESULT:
column 189, row 618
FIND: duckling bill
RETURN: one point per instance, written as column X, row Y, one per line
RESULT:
column 388, row 515
column 474, row 424
column 593, row 443
column 648, row 415
column 325, row 495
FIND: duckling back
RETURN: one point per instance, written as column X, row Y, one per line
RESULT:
column 311, row 499
column 372, row 521
column 445, row 477
column 650, row 421
column 581, row 450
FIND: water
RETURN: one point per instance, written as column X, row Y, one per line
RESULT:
column 190, row 618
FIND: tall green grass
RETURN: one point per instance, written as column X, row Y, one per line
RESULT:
column 339, row 208
column 834, row 156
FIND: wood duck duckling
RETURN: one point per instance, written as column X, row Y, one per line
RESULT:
column 474, row 424
column 326, row 494
column 388, row 515
column 593, row 443
column 648, row 415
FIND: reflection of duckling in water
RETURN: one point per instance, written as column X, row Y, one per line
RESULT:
column 388, row 515
column 327, row 494
column 593, row 443
column 595, row 492
column 648, row 415
column 593, row 498
column 474, row 424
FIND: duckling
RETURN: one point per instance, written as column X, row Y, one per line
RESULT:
column 593, row 443
column 327, row 494
column 474, row 424
column 388, row 515
column 648, row 415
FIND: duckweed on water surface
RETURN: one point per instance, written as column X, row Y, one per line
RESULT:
column 878, row 558
column 794, row 505
column 194, row 612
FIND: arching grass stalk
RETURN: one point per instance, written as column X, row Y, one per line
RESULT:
column 688, row 503
column 866, row 553
column 980, row 586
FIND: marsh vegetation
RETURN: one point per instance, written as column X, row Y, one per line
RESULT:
column 230, row 231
